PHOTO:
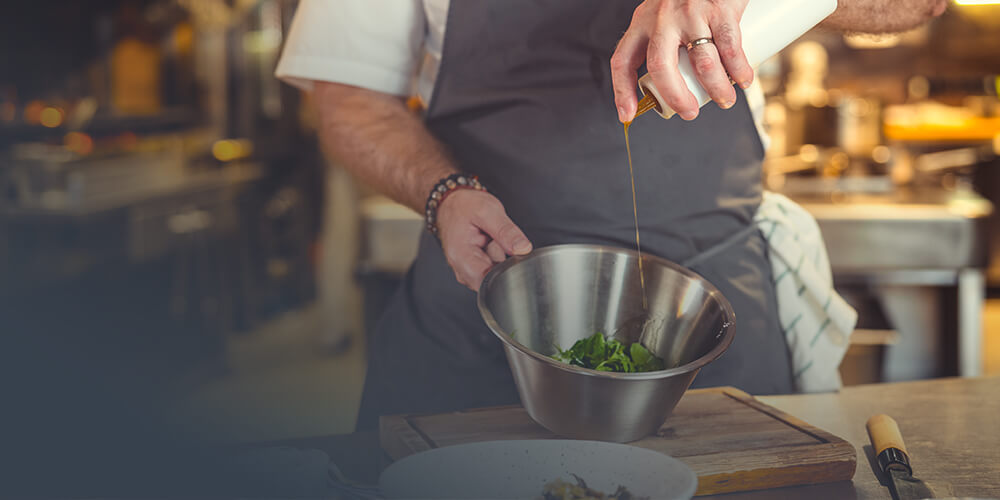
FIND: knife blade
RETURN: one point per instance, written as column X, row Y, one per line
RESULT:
column 893, row 461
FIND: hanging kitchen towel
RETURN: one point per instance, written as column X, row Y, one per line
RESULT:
column 816, row 321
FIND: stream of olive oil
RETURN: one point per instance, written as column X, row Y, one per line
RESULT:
column 645, row 104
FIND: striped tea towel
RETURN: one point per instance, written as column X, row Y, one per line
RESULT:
column 816, row 321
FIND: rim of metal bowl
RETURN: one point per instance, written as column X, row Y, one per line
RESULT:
column 728, row 329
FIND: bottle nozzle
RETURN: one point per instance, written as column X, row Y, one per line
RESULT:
column 645, row 104
column 652, row 99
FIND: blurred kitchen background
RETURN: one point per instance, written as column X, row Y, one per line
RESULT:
column 166, row 213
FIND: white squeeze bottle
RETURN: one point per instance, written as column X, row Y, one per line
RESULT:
column 767, row 27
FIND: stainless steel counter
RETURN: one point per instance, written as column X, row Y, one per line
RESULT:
column 902, row 230
column 903, row 244
column 389, row 235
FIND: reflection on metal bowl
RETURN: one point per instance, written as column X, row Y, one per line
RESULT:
column 557, row 295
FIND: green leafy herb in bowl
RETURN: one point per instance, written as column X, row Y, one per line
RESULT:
column 609, row 355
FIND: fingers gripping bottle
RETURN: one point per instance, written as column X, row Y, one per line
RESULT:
column 767, row 27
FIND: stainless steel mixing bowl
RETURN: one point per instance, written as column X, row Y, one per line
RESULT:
column 560, row 294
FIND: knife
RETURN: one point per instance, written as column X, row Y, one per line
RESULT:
column 893, row 461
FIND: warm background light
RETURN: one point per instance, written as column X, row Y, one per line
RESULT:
column 51, row 117
column 79, row 143
column 231, row 149
column 33, row 112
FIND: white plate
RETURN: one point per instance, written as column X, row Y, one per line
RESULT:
column 521, row 469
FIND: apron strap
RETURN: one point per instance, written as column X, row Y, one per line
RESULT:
column 721, row 246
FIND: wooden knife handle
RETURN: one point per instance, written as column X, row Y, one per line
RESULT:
column 884, row 433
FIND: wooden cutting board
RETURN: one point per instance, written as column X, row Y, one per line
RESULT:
column 731, row 440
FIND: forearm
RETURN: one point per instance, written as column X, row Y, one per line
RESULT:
column 883, row 16
column 379, row 140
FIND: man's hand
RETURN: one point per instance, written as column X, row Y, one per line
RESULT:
column 387, row 146
column 658, row 29
column 476, row 233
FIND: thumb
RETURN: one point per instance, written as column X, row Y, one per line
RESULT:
column 501, row 229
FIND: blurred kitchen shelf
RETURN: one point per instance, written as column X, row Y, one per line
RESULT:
column 167, row 120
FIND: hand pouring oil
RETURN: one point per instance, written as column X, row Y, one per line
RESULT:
column 767, row 27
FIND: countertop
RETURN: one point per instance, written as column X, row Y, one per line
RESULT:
column 905, row 229
column 951, row 428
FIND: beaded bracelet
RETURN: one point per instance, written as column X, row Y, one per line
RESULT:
column 441, row 190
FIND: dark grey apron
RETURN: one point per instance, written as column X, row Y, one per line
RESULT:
column 524, row 100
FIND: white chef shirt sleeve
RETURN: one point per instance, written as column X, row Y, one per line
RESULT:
column 374, row 44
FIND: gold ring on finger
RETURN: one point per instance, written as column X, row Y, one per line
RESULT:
column 699, row 41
